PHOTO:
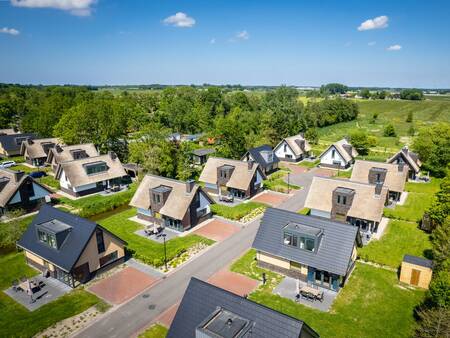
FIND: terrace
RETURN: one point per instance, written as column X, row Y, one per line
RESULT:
column 35, row 292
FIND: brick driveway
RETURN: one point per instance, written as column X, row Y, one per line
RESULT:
column 233, row 282
column 123, row 285
column 271, row 198
column 166, row 318
column 217, row 230
column 325, row 172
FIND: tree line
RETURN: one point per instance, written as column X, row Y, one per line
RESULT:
column 136, row 124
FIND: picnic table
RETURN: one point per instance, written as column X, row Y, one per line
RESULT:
column 28, row 286
column 311, row 292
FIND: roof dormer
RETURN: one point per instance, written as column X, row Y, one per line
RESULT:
column 302, row 236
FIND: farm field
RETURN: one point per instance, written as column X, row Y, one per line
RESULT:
column 395, row 112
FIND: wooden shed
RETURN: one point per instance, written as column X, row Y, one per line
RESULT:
column 416, row 271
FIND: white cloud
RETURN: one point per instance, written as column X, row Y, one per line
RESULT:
column 212, row 41
column 180, row 19
column 394, row 48
column 243, row 35
column 372, row 43
column 375, row 23
column 10, row 31
column 74, row 7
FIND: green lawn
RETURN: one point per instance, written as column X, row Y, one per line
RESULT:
column 276, row 182
column 155, row 331
column 246, row 265
column 372, row 304
column 304, row 211
column 309, row 164
column 344, row 173
column 400, row 238
column 49, row 181
column 17, row 321
column 97, row 204
column 24, row 168
column 13, row 267
column 420, row 197
column 144, row 249
column 238, row 211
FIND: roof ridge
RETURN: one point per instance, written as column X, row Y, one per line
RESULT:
column 344, row 181
column 169, row 179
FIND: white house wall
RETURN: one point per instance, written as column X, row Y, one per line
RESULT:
column 327, row 158
column 64, row 182
column 204, row 203
column 39, row 192
column 279, row 151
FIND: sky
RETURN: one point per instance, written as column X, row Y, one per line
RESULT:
column 254, row 42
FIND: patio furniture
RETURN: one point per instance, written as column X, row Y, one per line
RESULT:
column 311, row 293
column 15, row 285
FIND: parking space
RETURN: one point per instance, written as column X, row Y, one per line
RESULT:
column 234, row 282
column 325, row 172
column 123, row 285
column 217, row 230
column 294, row 168
column 271, row 198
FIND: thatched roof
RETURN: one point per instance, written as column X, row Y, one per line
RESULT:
column 366, row 204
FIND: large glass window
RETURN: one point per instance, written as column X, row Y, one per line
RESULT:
column 100, row 241
column 302, row 242
column 290, row 239
column 47, row 238
column 96, row 168
column 108, row 258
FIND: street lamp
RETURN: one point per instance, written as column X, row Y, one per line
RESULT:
column 165, row 253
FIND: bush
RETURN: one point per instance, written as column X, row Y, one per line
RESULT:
column 389, row 130
column 312, row 136
column 440, row 288
column 411, row 94
column 409, row 118
column 360, row 140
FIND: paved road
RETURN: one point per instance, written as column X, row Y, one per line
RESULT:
column 136, row 314
column 140, row 311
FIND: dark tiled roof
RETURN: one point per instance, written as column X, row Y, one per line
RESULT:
column 203, row 152
column 202, row 299
column 418, row 261
column 256, row 155
column 9, row 143
column 67, row 255
column 335, row 248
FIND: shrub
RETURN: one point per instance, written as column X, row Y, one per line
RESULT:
column 409, row 118
column 389, row 130
column 236, row 212
column 440, row 288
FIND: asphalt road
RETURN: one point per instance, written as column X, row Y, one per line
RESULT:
column 134, row 315
column 131, row 317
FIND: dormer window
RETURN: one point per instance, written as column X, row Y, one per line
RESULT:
column 156, row 198
column 342, row 199
column 47, row 238
column 19, row 140
column 53, row 233
column 78, row 154
column 95, row 168
column 302, row 237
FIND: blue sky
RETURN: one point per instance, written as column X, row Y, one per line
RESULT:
column 99, row 42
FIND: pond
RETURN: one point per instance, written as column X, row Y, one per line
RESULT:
column 106, row 214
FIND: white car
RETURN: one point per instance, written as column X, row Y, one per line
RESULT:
column 7, row 164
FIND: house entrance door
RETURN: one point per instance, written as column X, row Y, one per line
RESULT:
column 415, row 276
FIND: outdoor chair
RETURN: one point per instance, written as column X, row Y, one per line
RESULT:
column 15, row 285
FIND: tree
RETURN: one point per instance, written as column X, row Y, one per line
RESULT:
column 411, row 94
column 433, row 323
column 184, row 168
column 389, row 130
column 312, row 136
column 439, row 210
column 333, row 88
column 365, row 93
column 440, row 288
column 433, row 146
column 374, row 117
column 411, row 130
column 360, row 140
column 440, row 240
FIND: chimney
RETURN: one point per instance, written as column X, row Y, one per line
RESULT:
column 112, row 154
column 18, row 175
column 378, row 188
column 189, row 186
column 30, row 141
column 58, row 148
column 250, row 164
column 405, row 150
column 400, row 166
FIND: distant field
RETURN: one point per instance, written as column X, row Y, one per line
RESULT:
column 395, row 112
